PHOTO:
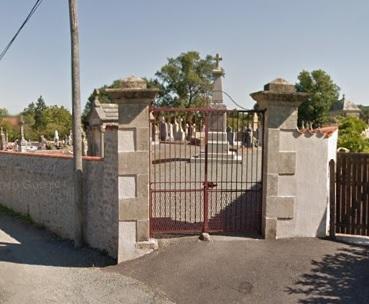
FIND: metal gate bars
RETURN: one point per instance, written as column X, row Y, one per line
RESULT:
column 206, row 171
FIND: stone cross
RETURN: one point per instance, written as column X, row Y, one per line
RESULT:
column 218, row 58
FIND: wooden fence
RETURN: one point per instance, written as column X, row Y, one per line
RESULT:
column 349, row 191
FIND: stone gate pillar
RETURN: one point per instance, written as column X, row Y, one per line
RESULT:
column 281, row 101
column 133, row 100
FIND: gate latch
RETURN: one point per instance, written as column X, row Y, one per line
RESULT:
column 210, row 184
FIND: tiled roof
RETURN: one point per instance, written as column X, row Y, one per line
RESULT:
column 110, row 111
column 106, row 112
column 326, row 132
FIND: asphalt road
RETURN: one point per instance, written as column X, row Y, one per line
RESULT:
column 236, row 270
column 36, row 267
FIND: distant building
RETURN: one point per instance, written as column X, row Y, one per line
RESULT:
column 12, row 121
column 100, row 115
column 345, row 108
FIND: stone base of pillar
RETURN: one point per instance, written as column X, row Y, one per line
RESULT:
column 270, row 228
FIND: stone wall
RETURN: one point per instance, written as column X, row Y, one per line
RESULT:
column 41, row 186
column 102, row 218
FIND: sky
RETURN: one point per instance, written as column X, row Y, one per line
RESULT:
column 259, row 41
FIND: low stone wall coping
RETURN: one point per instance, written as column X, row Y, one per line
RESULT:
column 56, row 155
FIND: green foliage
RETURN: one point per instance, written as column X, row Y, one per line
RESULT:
column 3, row 112
column 11, row 130
column 185, row 81
column 103, row 97
column 324, row 94
column 41, row 119
column 364, row 112
column 350, row 134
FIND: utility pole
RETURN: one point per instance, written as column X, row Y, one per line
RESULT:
column 76, row 113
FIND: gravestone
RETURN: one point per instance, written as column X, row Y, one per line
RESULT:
column 163, row 129
column 3, row 144
column 70, row 138
column 247, row 137
column 84, row 144
column 170, row 132
column 6, row 138
column 56, row 138
column 181, row 136
column 230, row 136
column 43, row 143
column 175, row 129
column 22, row 143
column 154, row 133
column 187, row 132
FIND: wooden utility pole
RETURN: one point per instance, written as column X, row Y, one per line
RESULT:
column 76, row 113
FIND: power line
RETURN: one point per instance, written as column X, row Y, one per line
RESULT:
column 33, row 10
column 231, row 99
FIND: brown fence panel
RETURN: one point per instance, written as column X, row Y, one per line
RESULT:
column 351, row 212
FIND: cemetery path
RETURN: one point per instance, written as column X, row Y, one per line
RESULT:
column 239, row 270
column 36, row 267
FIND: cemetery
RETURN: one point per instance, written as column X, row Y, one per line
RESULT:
column 152, row 171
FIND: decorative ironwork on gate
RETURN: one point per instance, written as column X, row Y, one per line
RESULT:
column 206, row 170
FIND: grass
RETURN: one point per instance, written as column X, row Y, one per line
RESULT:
column 22, row 217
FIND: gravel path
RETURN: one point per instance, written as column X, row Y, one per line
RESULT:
column 36, row 267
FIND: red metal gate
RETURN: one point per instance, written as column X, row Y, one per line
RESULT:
column 206, row 171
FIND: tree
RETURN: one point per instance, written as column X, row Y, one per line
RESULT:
column 185, row 81
column 350, row 134
column 364, row 112
column 41, row 119
column 3, row 112
column 324, row 94
column 102, row 96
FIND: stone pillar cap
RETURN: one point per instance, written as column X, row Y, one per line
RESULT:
column 280, row 90
column 133, row 82
column 132, row 87
column 280, row 85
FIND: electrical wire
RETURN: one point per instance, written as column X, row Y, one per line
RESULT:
column 33, row 10
column 231, row 99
